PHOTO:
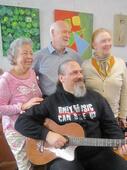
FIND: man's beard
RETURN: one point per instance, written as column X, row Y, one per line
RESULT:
column 79, row 89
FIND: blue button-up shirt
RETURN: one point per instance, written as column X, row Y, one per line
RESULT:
column 46, row 65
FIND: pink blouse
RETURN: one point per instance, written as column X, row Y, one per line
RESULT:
column 13, row 92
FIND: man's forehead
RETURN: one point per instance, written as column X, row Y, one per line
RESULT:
column 73, row 66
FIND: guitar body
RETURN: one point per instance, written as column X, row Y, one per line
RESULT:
column 39, row 152
column 118, row 152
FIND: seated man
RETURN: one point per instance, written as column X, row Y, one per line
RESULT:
column 72, row 102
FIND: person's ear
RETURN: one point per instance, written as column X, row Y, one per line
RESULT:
column 14, row 60
column 61, row 78
column 93, row 45
column 53, row 32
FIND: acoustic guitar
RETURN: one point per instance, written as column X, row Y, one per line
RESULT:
column 40, row 152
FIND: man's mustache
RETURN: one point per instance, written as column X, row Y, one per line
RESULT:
column 79, row 80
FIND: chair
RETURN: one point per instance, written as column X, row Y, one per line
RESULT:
column 7, row 161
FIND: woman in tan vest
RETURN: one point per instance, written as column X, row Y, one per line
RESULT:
column 107, row 74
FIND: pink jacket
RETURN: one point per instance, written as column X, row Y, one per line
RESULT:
column 14, row 92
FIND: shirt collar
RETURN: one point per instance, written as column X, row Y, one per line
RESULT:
column 52, row 49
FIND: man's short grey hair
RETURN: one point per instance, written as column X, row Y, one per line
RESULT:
column 14, row 47
column 61, row 68
column 54, row 26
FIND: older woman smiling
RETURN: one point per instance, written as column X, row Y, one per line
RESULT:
column 18, row 91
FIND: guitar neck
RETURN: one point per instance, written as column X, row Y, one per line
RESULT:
column 81, row 141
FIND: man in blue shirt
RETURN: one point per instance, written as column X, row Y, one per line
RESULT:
column 47, row 60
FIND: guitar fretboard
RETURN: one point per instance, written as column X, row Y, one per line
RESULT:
column 80, row 141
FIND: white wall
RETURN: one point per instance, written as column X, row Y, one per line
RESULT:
column 103, row 11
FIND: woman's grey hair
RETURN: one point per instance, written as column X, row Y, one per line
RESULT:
column 14, row 47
